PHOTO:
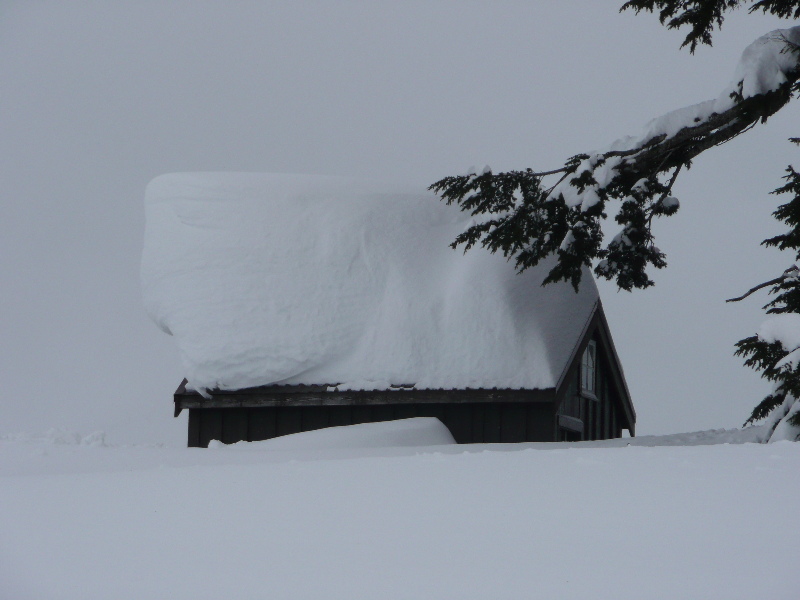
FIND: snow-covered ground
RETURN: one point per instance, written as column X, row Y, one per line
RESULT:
column 342, row 514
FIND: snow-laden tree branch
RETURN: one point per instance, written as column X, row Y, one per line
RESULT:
column 520, row 215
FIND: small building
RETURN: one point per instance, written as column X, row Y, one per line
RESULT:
column 307, row 302
column 590, row 402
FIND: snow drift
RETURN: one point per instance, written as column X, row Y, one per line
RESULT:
column 413, row 432
column 294, row 279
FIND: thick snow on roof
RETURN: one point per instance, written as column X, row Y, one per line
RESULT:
column 293, row 279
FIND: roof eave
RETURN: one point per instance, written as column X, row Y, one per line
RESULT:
column 323, row 395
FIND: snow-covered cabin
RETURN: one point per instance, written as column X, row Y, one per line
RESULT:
column 302, row 302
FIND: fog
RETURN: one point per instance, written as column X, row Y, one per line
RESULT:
column 98, row 98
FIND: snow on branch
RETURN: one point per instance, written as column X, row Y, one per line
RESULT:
column 527, row 220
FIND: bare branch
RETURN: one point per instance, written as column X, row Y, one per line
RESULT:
column 760, row 286
column 790, row 272
column 553, row 172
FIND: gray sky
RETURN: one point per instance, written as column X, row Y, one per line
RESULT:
column 99, row 98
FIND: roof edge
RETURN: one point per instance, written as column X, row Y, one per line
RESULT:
column 577, row 347
column 597, row 322
column 617, row 370
column 317, row 396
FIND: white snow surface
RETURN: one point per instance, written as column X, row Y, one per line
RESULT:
column 266, row 278
column 764, row 65
column 776, row 427
column 784, row 430
column 653, row 518
column 783, row 328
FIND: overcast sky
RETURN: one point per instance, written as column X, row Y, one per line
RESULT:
column 99, row 98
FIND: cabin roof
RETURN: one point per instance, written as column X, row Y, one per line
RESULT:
column 283, row 279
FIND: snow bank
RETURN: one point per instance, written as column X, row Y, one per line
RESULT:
column 304, row 279
column 419, row 431
column 451, row 522
column 59, row 436
column 749, row 435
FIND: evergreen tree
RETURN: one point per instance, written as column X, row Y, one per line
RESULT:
column 776, row 353
column 530, row 215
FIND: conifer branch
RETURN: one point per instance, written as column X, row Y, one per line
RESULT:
column 564, row 219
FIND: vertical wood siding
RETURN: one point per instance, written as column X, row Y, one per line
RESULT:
column 469, row 422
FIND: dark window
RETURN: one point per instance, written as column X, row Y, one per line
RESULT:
column 589, row 368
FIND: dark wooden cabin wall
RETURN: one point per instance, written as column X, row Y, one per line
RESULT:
column 504, row 422
column 599, row 415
